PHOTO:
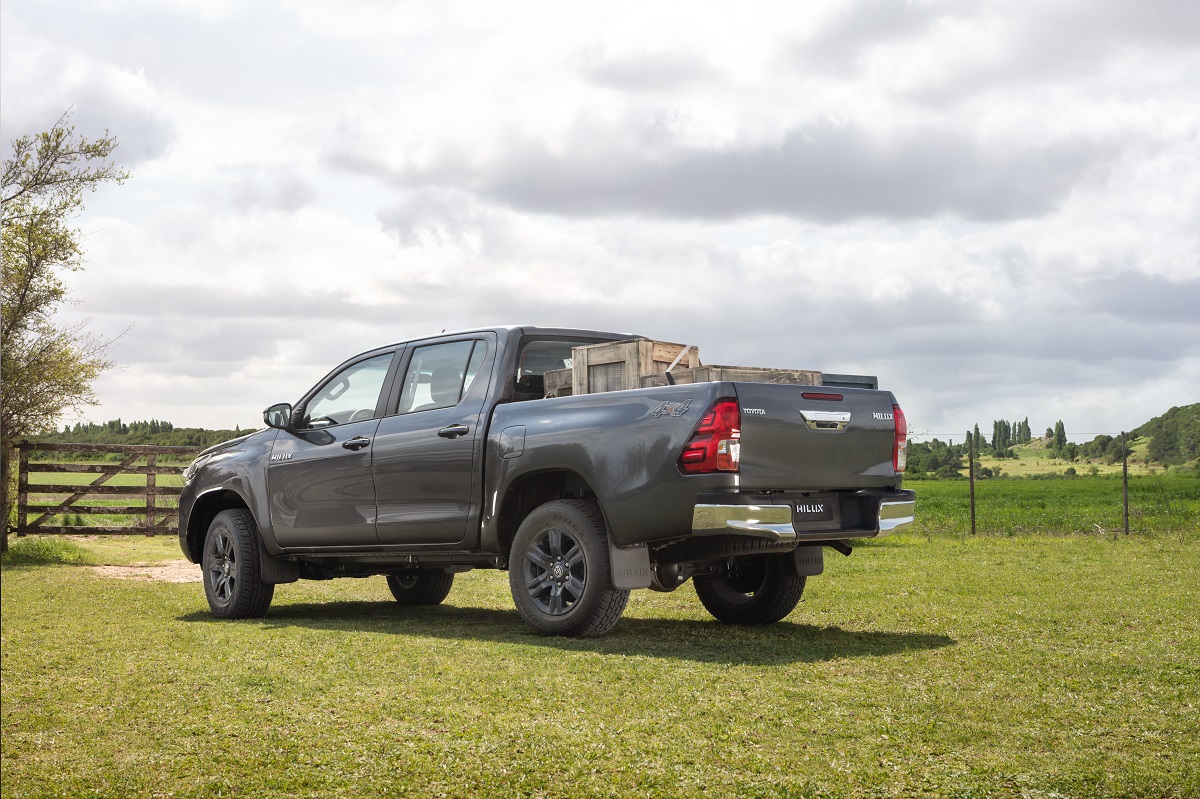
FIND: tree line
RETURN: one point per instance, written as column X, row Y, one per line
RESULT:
column 154, row 432
column 1174, row 440
column 1174, row 436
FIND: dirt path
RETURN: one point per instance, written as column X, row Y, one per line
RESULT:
column 170, row 571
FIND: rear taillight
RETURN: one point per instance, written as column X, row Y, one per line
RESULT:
column 900, row 447
column 715, row 445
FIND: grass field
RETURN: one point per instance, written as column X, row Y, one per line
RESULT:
column 1049, row 666
column 1166, row 504
column 1034, row 459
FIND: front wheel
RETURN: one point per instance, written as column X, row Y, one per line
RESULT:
column 559, row 572
column 759, row 589
column 233, row 583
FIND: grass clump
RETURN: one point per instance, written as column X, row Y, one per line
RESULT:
column 45, row 551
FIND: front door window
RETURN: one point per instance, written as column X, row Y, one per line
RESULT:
column 350, row 396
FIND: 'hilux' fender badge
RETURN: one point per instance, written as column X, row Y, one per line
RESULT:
column 671, row 409
column 286, row 457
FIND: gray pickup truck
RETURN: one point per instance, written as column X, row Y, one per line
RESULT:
column 426, row 458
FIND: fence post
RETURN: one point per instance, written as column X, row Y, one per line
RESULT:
column 1125, row 479
column 971, row 475
column 151, row 486
column 22, row 489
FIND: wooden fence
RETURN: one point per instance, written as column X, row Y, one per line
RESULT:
column 44, row 501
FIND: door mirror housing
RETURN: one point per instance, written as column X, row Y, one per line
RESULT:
column 278, row 416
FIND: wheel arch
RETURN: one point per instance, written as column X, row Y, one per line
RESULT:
column 206, row 508
column 531, row 490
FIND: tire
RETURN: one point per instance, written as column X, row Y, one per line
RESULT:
column 559, row 571
column 760, row 589
column 233, row 582
column 421, row 586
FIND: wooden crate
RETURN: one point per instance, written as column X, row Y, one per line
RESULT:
column 616, row 366
column 740, row 374
column 559, row 382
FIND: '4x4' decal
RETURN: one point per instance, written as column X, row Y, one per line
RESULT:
column 672, row 409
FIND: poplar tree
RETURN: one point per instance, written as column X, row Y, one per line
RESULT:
column 1060, row 435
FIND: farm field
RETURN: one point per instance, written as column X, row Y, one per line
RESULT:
column 923, row 665
column 1162, row 505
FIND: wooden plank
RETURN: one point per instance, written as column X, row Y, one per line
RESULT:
column 102, row 510
column 736, row 374
column 140, row 530
column 102, row 468
column 140, row 449
column 135, row 491
column 605, row 377
column 559, row 382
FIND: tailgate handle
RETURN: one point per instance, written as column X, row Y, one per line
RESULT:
column 825, row 420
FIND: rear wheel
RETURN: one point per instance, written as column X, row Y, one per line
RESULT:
column 421, row 586
column 233, row 581
column 759, row 589
column 559, row 571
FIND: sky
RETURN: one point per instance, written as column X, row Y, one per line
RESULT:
column 993, row 207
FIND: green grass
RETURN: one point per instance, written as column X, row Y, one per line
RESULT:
column 1167, row 504
column 44, row 551
column 994, row 666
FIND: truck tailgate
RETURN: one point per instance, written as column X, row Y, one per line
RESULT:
column 801, row 438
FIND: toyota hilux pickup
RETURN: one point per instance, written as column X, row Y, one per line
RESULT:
column 427, row 458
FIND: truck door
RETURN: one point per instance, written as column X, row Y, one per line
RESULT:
column 427, row 461
column 319, row 480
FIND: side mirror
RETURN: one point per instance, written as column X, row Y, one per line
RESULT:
column 278, row 416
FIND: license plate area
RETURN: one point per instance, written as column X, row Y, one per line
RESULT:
column 816, row 512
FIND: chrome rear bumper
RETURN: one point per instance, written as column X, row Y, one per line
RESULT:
column 862, row 516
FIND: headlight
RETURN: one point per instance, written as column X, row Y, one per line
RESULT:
column 194, row 468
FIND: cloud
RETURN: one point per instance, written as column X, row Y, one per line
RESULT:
column 825, row 173
column 646, row 71
column 41, row 81
column 279, row 188
column 942, row 53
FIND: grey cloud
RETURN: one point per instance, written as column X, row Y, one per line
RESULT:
column 863, row 24
column 98, row 102
column 1142, row 297
column 1041, row 42
column 825, row 173
column 279, row 188
column 646, row 71
column 444, row 215
column 294, row 304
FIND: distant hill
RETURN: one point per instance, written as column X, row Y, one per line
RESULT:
column 1174, row 436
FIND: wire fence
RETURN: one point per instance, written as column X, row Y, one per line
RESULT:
column 1163, row 504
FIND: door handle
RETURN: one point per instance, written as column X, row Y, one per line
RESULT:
column 454, row 431
column 356, row 443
